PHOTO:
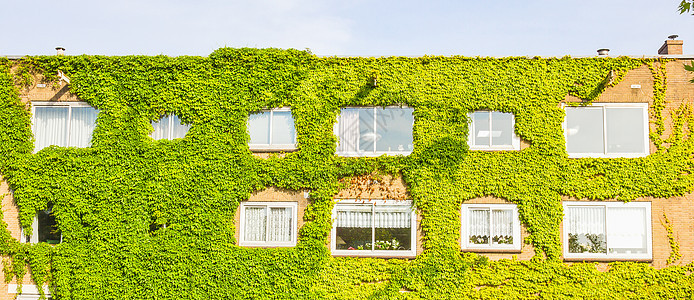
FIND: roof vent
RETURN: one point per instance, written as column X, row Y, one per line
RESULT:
column 61, row 50
column 603, row 52
column 672, row 37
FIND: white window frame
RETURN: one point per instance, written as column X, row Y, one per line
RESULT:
column 33, row 238
column 268, row 205
column 515, row 140
column 70, row 105
column 28, row 291
column 608, row 256
column 271, row 146
column 364, row 153
column 168, row 135
column 465, row 228
column 604, row 154
column 375, row 253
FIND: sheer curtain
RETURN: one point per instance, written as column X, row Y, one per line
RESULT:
column 258, row 127
column 50, row 126
column 502, row 221
column 161, row 128
column 347, row 130
column 169, row 127
column 626, row 229
column 392, row 216
column 280, row 225
column 255, row 224
column 479, row 222
column 354, row 216
column 586, row 220
column 82, row 124
column 283, row 132
column 178, row 129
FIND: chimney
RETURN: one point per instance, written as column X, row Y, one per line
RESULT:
column 61, row 50
column 671, row 46
column 603, row 52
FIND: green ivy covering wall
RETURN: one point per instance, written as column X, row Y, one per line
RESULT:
column 107, row 198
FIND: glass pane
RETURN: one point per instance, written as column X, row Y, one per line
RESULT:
column 394, row 129
column 178, row 129
column 259, row 128
column 50, row 126
column 348, row 130
column 283, row 128
column 280, row 227
column 367, row 135
column 586, row 229
column 502, row 129
column 255, row 224
column 82, row 124
column 353, row 227
column 161, row 128
column 480, row 127
column 584, row 127
column 502, row 227
column 479, row 226
column 625, row 130
column 48, row 227
column 393, row 227
column 627, row 229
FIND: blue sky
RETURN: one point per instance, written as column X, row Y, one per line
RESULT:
column 352, row 28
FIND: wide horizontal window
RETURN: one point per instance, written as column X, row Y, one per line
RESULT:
column 607, row 130
column 612, row 230
column 490, row 227
column 271, row 224
column 492, row 130
column 44, row 228
column 272, row 130
column 169, row 127
column 64, row 124
column 373, row 131
column 374, row 228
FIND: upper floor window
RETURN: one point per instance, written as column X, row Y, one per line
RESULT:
column 372, row 131
column 270, row 224
column 169, row 127
column 64, row 124
column 272, row 130
column 492, row 130
column 607, row 130
column 490, row 227
column 374, row 228
column 612, row 230
column 44, row 228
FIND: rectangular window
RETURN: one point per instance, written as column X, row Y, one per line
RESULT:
column 44, row 228
column 269, row 224
column 272, row 130
column 373, row 131
column 607, row 130
column 169, row 127
column 492, row 130
column 374, row 228
column 63, row 124
column 490, row 227
column 611, row 230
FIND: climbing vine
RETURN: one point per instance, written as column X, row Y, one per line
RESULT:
column 112, row 200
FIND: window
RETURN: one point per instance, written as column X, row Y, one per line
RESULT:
column 268, row 224
column 63, row 124
column 607, row 130
column 612, row 230
column 373, row 131
column 492, row 130
column 272, row 130
column 169, row 127
column 374, row 228
column 490, row 226
column 44, row 228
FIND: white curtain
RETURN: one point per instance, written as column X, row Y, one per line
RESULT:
column 50, row 126
column 627, row 228
column 586, row 220
column 169, row 127
column 161, row 128
column 283, row 132
column 255, row 225
column 354, row 216
column 502, row 223
column 479, row 222
column 347, row 130
column 280, row 225
column 258, row 127
column 82, row 124
column 178, row 130
column 392, row 216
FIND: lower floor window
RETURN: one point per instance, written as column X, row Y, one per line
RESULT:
column 607, row 230
column 374, row 228
column 44, row 229
column 490, row 226
column 268, row 224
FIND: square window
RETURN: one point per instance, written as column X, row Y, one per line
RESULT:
column 373, row 131
column 268, row 224
column 492, row 130
column 610, row 230
column 63, row 124
column 607, row 130
column 169, row 127
column 374, row 228
column 272, row 130
column 44, row 228
column 490, row 227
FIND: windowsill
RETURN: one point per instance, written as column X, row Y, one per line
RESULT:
column 253, row 245
column 379, row 254
column 494, row 149
column 606, row 259
column 371, row 154
column 273, row 148
column 602, row 155
column 491, row 250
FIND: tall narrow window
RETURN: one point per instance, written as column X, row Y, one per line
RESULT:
column 490, row 226
column 607, row 130
column 492, row 130
column 272, row 130
column 373, row 131
column 374, row 228
column 64, row 124
column 607, row 230
column 271, row 224
column 169, row 127
column 44, row 228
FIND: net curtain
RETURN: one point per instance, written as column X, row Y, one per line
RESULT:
column 274, row 225
column 586, row 220
column 347, row 129
column 383, row 217
column 64, row 126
